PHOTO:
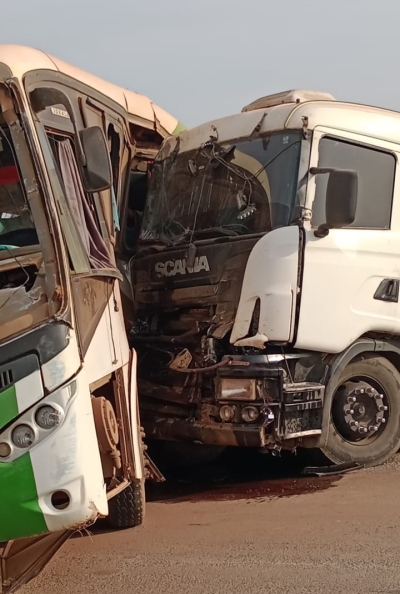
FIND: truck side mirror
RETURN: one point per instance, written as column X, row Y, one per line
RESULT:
column 341, row 199
column 96, row 172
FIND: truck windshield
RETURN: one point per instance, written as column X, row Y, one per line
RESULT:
column 239, row 188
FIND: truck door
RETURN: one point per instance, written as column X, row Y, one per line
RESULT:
column 344, row 270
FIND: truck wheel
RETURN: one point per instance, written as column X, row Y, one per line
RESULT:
column 127, row 509
column 365, row 414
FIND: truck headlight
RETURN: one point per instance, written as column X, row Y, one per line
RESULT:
column 227, row 413
column 237, row 389
column 250, row 414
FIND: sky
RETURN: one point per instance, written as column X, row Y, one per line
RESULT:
column 207, row 59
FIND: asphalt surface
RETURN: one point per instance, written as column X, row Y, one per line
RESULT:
column 232, row 533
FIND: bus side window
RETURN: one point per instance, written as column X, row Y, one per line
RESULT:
column 82, row 207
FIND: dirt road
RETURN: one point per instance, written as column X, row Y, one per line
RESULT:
column 290, row 536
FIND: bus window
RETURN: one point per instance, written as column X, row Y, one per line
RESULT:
column 82, row 207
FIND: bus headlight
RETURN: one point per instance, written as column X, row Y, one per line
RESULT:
column 23, row 436
column 47, row 417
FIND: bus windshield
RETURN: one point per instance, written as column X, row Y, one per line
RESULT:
column 22, row 274
column 16, row 225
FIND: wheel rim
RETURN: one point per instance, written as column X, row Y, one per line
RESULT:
column 360, row 410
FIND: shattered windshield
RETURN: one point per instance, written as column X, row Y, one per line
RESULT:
column 241, row 188
column 16, row 226
column 22, row 278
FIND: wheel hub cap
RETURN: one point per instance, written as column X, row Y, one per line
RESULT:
column 359, row 410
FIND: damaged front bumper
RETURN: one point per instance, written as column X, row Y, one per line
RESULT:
column 256, row 405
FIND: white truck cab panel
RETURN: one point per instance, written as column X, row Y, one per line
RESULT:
column 343, row 270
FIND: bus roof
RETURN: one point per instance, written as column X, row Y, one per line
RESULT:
column 21, row 60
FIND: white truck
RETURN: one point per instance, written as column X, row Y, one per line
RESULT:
column 267, row 281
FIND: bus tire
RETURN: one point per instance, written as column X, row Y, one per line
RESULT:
column 127, row 509
column 365, row 414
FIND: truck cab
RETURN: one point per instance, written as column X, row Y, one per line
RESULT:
column 267, row 281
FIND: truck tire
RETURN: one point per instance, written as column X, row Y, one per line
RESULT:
column 127, row 509
column 365, row 414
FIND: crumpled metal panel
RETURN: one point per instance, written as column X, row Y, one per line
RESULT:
column 24, row 559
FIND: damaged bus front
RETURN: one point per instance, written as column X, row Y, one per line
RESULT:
column 267, row 282
column 71, row 446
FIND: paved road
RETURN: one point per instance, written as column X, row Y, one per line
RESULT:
column 291, row 536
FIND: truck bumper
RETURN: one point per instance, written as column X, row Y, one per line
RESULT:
column 219, row 434
column 285, row 414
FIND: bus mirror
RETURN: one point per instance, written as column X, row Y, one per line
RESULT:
column 96, row 172
column 341, row 198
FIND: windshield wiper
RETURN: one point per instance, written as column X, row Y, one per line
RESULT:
column 268, row 163
column 220, row 230
column 155, row 241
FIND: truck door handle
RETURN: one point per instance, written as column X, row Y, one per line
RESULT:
column 388, row 290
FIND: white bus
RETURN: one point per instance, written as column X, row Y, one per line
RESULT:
column 70, row 440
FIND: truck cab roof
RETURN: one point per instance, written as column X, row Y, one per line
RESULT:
column 292, row 110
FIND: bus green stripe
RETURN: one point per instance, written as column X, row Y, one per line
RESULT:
column 20, row 513
column 8, row 406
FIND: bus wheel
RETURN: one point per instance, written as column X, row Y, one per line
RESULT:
column 127, row 509
column 365, row 414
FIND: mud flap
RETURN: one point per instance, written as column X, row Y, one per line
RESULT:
column 153, row 473
column 24, row 559
column 332, row 470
